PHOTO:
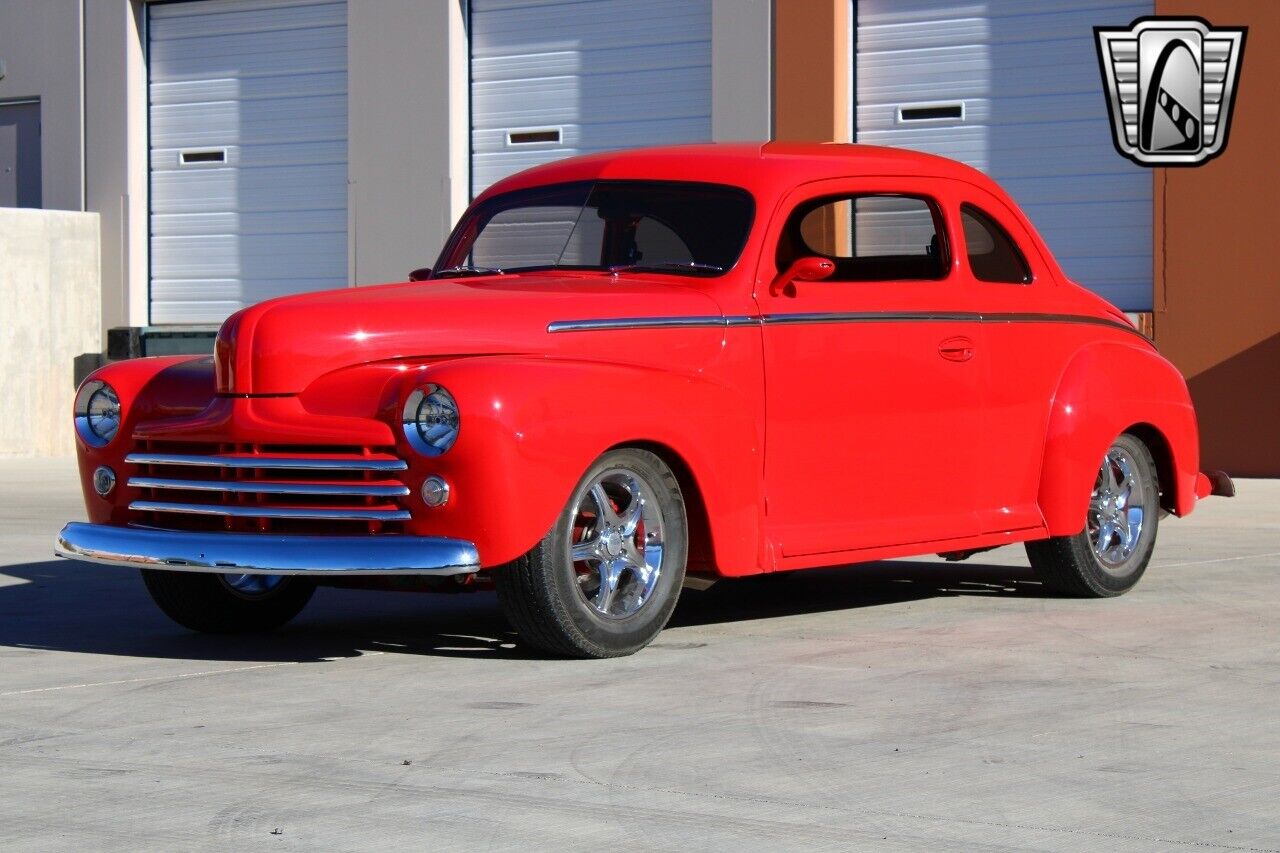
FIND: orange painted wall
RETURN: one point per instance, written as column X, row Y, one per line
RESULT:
column 811, row 70
column 1217, row 259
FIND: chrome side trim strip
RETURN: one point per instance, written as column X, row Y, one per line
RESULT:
column 283, row 463
column 242, row 511
column 266, row 553
column 1064, row 318
column 870, row 317
column 634, row 323
column 833, row 317
column 252, row 487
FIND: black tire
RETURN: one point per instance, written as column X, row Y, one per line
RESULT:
column 206, row 603
column 545, row 594
column 1071, row 565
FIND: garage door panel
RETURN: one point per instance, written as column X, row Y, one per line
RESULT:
column 268, row 189
column 246, row 17
column 212, row 297
column 322, row 153
column 1030, row 70
column 590, row 24
column 266, row 86
column 333, row 222
column 264, row 256
column 557, row 100
column 295, row 119
column 606, row 74
column 909, row 28
column 1034, row 119
column 560, row 63
column 263, row 83
column 906, row 11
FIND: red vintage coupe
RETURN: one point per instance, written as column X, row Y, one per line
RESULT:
column 629, row 372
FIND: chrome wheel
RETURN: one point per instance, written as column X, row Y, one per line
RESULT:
column 616, row 543
column 1116, row 510
column 252, row 586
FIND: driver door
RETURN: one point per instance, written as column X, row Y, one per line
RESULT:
column 873, row 391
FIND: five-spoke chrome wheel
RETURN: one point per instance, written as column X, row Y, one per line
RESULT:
column 616, row 543
column 606, row 577
column 1116, row 509
column 1110, row 553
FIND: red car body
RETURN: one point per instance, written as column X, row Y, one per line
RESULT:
column 816, row 424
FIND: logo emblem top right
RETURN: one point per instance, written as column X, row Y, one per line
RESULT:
column 1171, row 84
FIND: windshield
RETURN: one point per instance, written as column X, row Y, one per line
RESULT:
column 680, row 228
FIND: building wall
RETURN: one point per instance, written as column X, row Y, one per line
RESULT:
column 1217, row 305
column 49, row 289
column 741, row 70
column 408, row 135
column 40, row 47
column 116, row 181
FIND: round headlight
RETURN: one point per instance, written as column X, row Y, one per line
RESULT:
column 430, row 420
column 97, row 413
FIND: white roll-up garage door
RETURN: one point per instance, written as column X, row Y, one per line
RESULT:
column 552, row 79
column 248, row 113
column 1013, row 88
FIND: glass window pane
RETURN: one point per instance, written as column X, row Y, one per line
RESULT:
column 993, row 256
column 871, row 237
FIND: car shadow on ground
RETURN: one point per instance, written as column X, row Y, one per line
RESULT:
column 80, row 607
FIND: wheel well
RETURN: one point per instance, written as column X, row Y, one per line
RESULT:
column 701, row 550
column 1163, row 456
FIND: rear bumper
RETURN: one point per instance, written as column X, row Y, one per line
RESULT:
column 264, row 553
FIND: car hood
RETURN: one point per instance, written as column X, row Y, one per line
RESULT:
column 281, row 346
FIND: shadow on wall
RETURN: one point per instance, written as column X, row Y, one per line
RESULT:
column 80, row 607
column 1238, row 427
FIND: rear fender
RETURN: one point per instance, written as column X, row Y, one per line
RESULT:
column 1107, row 389
column 531, row 426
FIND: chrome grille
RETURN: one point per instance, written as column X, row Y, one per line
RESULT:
column 277, row 489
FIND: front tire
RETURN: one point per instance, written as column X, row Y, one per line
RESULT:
column 228, row 604
column 1111, row 553
column 604, row 581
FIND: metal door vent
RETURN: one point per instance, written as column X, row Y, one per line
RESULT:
column 207, row 155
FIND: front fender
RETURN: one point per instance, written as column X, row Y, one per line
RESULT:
column 1107, row 389
column 149, row 388
column 531, row 426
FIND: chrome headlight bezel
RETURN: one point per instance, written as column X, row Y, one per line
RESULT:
column 97, row 413
column 430, row 420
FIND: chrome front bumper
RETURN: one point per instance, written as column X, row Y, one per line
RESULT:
column 266, row 554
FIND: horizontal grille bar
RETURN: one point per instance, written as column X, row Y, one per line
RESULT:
column 264, row 487
column 284, row 463
column 320, row 514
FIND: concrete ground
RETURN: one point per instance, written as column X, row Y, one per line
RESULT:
column 901, row 705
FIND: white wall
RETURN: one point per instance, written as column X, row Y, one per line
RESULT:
column 408, row 131
column 50, row 292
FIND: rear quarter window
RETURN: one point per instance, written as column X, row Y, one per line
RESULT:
column 993, row 255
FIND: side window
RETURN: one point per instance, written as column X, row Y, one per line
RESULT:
column 993, row 256
column 870, row 237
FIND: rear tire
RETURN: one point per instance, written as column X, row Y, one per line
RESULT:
column 209, row 603
column 1111, row 553
column 604, row 581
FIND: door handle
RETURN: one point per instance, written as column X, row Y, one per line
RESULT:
column 956, row 349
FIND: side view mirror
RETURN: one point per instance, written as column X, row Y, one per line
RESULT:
column 420, row 274
column 802, row 269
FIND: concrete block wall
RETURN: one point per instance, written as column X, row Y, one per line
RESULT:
column 50, row 312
